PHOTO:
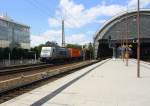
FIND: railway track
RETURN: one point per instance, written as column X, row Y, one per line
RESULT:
column 17, row 83
column 26, row 71
column 18, row 69
column 27, row 67
column 10, row 94
column 18, row 66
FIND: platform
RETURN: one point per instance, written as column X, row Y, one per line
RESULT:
column 107, row 83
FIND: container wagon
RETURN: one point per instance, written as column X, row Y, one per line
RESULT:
column 74, row 53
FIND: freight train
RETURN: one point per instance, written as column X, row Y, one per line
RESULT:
column 55, row 54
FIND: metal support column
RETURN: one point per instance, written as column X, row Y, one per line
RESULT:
column 63, row 35
column 138, row 39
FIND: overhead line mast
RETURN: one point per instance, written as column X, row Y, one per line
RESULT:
column 63, row 34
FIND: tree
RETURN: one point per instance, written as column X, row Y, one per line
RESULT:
column 76, row 46
column 88, row 49
column 1, row 53
column 91, row 50
column 6, row 52
column 37, row 49
column 51, row 43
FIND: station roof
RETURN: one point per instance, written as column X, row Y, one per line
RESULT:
column 108, row 25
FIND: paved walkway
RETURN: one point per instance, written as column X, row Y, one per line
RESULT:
column 102, row 84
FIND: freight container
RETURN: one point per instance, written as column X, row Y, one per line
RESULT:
column 74, row 53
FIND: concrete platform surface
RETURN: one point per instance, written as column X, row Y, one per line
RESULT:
column 107, row 83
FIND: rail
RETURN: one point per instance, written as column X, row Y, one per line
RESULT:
column 22, row 68
column 15, row 82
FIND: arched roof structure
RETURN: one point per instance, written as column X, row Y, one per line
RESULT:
column 124, row 24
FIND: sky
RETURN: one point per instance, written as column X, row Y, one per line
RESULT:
column 82, row 17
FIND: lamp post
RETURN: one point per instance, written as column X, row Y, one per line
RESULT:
column 138, row 38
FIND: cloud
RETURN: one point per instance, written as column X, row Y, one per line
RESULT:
column 80, row 38
column 54, row 22
column 54, row 35
column 143, row 3
column 50, row 35
column 100, row 21
column 77, row 16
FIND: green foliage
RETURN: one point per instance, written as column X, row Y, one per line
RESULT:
column 51, row 43
column 15, row 53
column 4, row 52
column 37, row 49
column 89, row 51
column 18, row 53
column 76, row 46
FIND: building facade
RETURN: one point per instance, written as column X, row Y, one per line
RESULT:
column 13, row 34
